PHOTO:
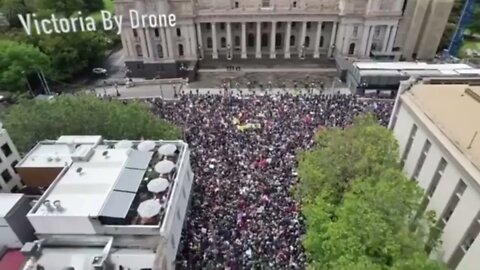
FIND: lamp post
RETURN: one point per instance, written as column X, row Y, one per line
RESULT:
column 363, row 87
column 183, row 70
column 199, row 48
column 302, row 52
column 229, row 52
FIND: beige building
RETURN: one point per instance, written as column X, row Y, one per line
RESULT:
column 273, row 29
column 436, row 125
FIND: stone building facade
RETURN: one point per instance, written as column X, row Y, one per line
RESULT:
column 261, row 29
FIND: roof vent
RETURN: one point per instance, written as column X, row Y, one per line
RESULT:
column 58, row 206
column 105, row 154
column 57, row 159
column 49, row 206
column 49, row 159
column 80, row 171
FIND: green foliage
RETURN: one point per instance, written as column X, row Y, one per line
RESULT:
column 65, row 7
column 94, row 5
column 73, row 52
column 17, row 61
column 359, row 206
column 33, row 120
column 11, row 9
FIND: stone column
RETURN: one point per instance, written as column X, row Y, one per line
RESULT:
column 229, row 35
column 200, row 40
column 164, row 43
column 316, row 50
column 127, row 44
column 370, row 40
column 386, row 38
column 143, row 43
column 168, row 33
column 333, row 37
column 302, row 38
column 272, row 40
column 393, row 34
column 287, row 40
column 193, row 41
column 365, row 35
column 244, row 40
column 258, row 50
column 214, row 42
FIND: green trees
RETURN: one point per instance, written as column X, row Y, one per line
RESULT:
column 359, row 207
column 33, row 120
column 68, row 7
column 17, row 61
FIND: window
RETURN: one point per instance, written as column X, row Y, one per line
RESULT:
column 292, row 40
column 460, row 189
column 351, row 49
column 209, row 42
column 294, row 4
column 264, row 40
column 413, row 131
column 309, row 25
column 209, row 26
column 179, row 32
column 307, row 41
column 421, row 159
column 355, row 31
column 451, row 205
column 377, row 31
column 157, row 33
column 138, row 48
column 222, row 26
column 293, row 24
column 278, row 40
column 236, row 4
column 436, row 177
column 265, row 3
column 135, row 34
column 6, row 176
column 467, row 241
column 321, row 41
column 223, row 42
column 6, row 150
column 237, row 41
column 159, row 51
column 14, row 163
column 180, row 50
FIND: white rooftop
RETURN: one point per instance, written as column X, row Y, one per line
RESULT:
column 409, row 65
column 8, row 201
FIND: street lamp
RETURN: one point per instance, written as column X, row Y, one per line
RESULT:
column 363, row 87
column 183, row 70
column 200, row 57
column 302, row 52
column 229, row 53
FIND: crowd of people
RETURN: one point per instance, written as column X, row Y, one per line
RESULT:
column 242, row 213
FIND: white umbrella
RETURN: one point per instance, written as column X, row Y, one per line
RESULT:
column 164, row 167
column 146, row 146
column 123, row 144
column 158, row 185
column 149, row 208
column 167, row 149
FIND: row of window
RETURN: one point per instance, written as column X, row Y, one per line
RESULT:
column 474, row 228
column 264, row 25
column 265, row 40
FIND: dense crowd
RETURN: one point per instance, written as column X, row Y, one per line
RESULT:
column 242, row 214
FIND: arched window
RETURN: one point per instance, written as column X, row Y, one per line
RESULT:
column 251, row 40
column 159, row 51
column 237, row 41
column 321, row 41
column 264, row 40
column 351, row 49
column 138, row 48
column 180, row 49
column 179, row 32
column 307, row 42
column 157, row 33
column 209, row 42
column 278, row 40
column 292, row 40
column 223, row 42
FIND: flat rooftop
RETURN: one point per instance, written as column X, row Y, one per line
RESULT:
column 109, row 183
column 454, row 111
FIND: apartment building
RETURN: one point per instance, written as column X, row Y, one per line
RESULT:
column 436, row 124
column 9, row 158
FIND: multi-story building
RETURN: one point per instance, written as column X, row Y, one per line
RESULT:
column 436, row 124
column 9, row 157
column 273, row 29
column 119, row 205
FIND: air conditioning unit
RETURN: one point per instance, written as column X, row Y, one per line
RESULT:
column 99, row 263
column 82, row 153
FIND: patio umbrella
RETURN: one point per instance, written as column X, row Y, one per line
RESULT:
column 146, row 146
column 158, row 185
column 149, row 208
column 164, row 167
column 167, row 149
column 123, row 144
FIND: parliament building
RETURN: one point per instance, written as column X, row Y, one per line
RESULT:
column 221, row 30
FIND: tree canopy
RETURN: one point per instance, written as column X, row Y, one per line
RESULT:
column 33, row 120
column 359, row 206
column 17, row 61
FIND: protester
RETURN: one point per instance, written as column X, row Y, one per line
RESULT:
column 242, row 214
